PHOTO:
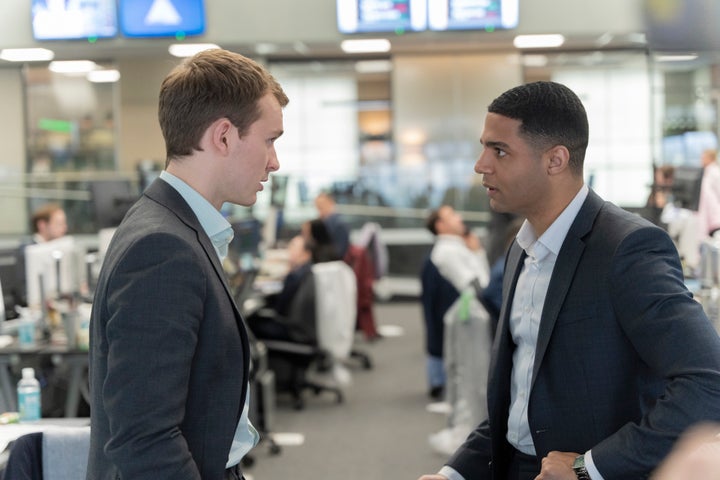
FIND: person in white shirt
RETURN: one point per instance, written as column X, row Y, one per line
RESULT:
column 49, row 222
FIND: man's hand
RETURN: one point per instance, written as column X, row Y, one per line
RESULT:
column 433, row 477
column 558, row 466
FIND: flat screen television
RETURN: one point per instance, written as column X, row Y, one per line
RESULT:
column 472, row 14
column 368, row 16
column 162, row 18
column 63, row 20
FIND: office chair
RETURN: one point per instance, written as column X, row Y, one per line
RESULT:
column 58, row 453
column 319, row 366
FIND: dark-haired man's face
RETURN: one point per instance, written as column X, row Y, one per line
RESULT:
column 514, row 174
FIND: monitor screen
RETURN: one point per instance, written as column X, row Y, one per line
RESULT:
column 162, row 18
column 472, row 14
column 12, row 280
column 51, row 269
column 111, row 199
column 365, row 16
column 686, row 187
column 63, row 20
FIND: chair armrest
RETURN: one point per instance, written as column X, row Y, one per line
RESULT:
column 290, row 347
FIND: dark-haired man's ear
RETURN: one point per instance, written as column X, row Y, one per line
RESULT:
column 558, row 159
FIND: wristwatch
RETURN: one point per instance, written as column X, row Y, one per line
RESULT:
column 579, row 468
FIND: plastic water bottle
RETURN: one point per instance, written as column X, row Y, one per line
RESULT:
column 28, row 396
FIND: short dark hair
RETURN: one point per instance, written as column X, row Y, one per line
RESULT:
column 212, row 84
column 550, row 114
column 431, row 221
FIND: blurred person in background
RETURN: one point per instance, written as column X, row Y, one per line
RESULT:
column 709, row 205
column 48, row 222
column 337, row 228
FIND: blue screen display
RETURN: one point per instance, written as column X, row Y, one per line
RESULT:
column 162, row 18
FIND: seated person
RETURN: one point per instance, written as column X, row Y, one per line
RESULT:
column 292, row 310
column 48, row 222
column 317, row 235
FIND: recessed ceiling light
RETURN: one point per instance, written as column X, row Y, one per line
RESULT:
column 369, row 45
column 103, row 76
column 539, row 41
column 73, row 66
column 26, row 54
column 675, row 57
column 189, row 49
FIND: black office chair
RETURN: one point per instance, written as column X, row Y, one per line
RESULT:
column 323, row 298
column 55, row 454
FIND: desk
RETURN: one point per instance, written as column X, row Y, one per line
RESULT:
column 76, row 360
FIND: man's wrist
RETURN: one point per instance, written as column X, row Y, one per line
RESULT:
column 579, row 468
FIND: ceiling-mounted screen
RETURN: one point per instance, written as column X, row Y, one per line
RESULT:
column 472, row 14
column 62, row 20
column 162, row 18
column 366, row 16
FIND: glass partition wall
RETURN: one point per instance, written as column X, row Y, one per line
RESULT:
column 71, row 140
column 390, row 137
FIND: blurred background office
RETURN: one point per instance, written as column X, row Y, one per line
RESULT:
column 388, row 128
column 389, row 132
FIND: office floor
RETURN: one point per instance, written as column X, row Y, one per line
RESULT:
column 379, row 432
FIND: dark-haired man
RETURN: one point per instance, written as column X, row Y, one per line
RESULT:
column 601, row 358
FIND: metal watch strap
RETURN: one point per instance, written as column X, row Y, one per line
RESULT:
column 579, row 468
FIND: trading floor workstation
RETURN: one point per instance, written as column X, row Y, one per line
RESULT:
column 392, row 133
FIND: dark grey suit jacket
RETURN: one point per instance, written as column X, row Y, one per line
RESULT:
column 625, row 361
column 168, row 350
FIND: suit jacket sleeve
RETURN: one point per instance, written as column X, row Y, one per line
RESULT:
column 671, row 334
column 153, row 329
column 472, row 459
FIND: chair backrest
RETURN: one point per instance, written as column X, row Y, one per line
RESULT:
column 54, row 453
column 65, row 452
column 371, row 240
column 336, row 307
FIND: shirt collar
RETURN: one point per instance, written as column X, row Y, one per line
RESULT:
column 212, row 222
column 554, row 236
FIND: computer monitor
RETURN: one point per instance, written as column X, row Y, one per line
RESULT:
column 686, row 187
column 247, row 236
column 11, row 280
column 111, row 200
column 51, row 270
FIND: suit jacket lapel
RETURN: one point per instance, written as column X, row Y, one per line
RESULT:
column 564, row 272
column 501, row 359
column 163, row 193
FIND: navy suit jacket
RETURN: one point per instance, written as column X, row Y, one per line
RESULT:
column 625, row 361
column 168, row 350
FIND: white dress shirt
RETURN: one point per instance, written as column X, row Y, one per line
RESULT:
column 220, row 232
column 525, row 315
column 457, row 263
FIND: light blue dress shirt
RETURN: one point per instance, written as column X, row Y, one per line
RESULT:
column 525, row 314
column 220, row 232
